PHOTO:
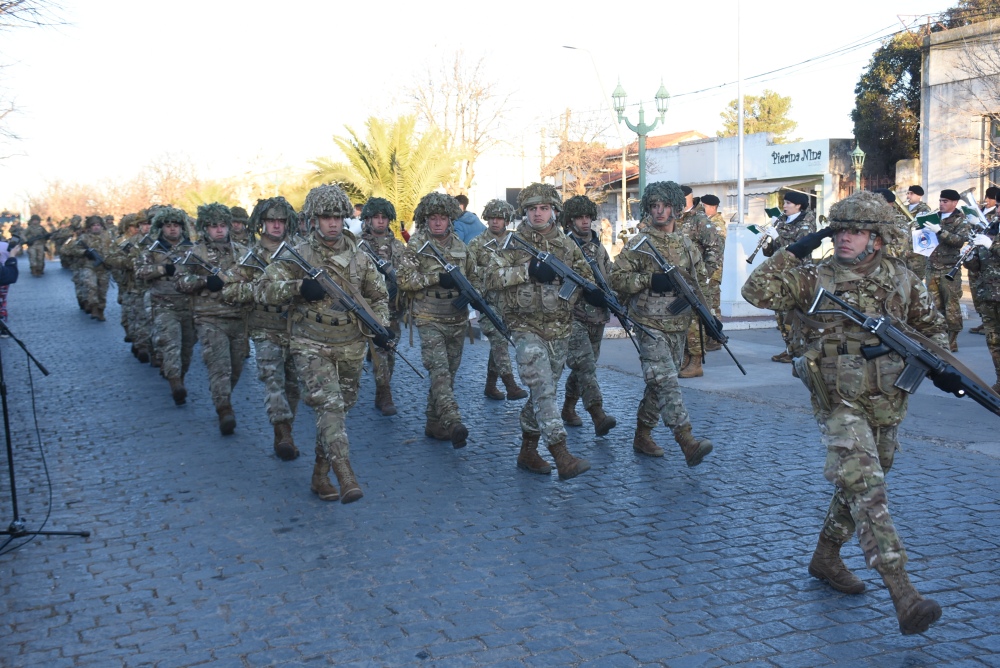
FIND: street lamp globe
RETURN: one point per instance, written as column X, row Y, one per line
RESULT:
column 661, row 100
column 858, row 160
column 618, row 95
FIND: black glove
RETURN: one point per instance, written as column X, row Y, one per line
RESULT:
column 660, row 283
column 541, row 272
column 445, row 280
column 214, row 283
column 169, row 269
column 804, row 247
column 948, row 380
column 596, row 298
column 384, row 341
column 311, row 290
column 91, row 254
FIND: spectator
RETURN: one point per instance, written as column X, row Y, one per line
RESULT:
column 8, row 276
column 467, row 226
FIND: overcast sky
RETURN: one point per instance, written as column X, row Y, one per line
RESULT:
column 230, row 84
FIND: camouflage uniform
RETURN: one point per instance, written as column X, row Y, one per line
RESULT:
column 442, row 326
column 268, row 326
column 498, row 366
column 65, row 232
column 240, row 232
column 972, row 270
column 390, row 249
column 985, row 263
column 131, row 293
column 221, row 327
column 788, row 233
column 173, row 319
column 632, row 278
column 713, row 294
column 327, row 342
column 588, row 327
column 94, row 276
column 855, row 403
column 703, row 233
column 947, row 295
column 35, row 239
column 916, row 262
column 540, row 324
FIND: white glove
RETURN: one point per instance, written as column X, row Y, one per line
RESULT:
column 771, row 232
column 933, row 227
column 982, row 240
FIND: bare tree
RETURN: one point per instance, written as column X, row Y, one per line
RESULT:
column 979, row 60
column 582, row 158
column 462, row 100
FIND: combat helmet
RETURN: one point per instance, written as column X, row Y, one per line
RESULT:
column 436, row 203
column 239, row 213
column 864, row 211
column 167, row 214
column 375, row 206
column 35, row 219
column 213, row 214
column 328, row 200
column 94, row 220
column 498, row 208
column 667, row 192
column 76, row 222
column 274, row 208
column 575, row 207
column 538, row 193
column 127, row 221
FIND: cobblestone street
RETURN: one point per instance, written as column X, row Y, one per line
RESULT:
column 209, row 551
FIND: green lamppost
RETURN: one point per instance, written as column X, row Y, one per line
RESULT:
column 641, row 128
column 858, row 160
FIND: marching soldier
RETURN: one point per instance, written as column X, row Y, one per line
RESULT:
column 273, row 221
column 857, row 408
column 173, row 319
column 952, row 234
column 639, row 280
column 376, row 215
column 131, row 293
column 578, row 215
column 710, row 205
column 122, row 276
column 984, row 275
column 916, row 262
column 36, row 239
column 220, row 327
column 327, row 342
column 442, row 326
column 697, row 227
column 238, row 231
column 497, row 214
column 541, row 324
column 990, row 213
column 90, row 250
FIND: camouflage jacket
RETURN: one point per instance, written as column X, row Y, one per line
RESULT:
column 326, row 321
column 483, row 259
column 419, row 277
column 530, row 306
column 883, row 285
column 262, row 319
column 151, row 268
column 193, row 278
column 122, row 259
column 790, row 232
column 593, row 250
column 984, row 272
column 100, row 243
column 920, row 208
column 632, row 275
column 900, row 243
column 953, row 235
column 390, row 249
column 700, row 229
column 34, row 234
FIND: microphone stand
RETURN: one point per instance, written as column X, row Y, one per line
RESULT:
column 17, row 527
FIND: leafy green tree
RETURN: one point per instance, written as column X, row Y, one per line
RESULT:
column 391, row 161
column 767, row 112
column 966, row 12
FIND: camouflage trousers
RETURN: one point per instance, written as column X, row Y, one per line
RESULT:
column 223, row 349
column 499, row 362
column 81, row 290
column 36, row 257
column 132, row 310
column 781, row 318
column 660, row 357
column 277, row 371
column 990, row 313
column 539, row 364
column 581, row 358
column 174, row 338
column 947, row 297
column 916, row 263
column 441, row 346
column 94, row 283
column 383, row 361
column 144, row 320
column 330, row 379
column 858, row 455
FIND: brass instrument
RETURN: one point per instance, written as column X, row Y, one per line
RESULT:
column 764, row 237
column 904, row 209
column 978, row 227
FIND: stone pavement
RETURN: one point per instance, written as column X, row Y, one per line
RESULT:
column 208, row 551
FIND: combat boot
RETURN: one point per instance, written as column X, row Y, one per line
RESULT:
column 694, row 450
column 433, row 429
column 569, row 416
column 914, row 612
column 603, row 423
column 827, row 565
column 953, row 341
column 492, row 391
column 643, row 442
column 513, row 390
column 227, row 419
column 529, row 459
column 712, row 345
column 567, row 465
column 383, row 400
column 691, row 368
column 284, row 446
column 320, row 484
column 784, row 357
column 142, row 354
column 980, row 329
column 92, row 311
column 178, row 391
column 458, row 435
column 350, row 491
column 97, row 313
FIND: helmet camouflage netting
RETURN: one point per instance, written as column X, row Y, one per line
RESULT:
column 538, row 193
column 213, row 214
column 273, row 208
column 239, row 213
column 578, row 206
column 863, row 211
column 94, row 220
column 378, row 205
column 168, row 214
column 436, row 203
column 127, row 221
column 329, row 200
column 498, row 208
column 667, row 192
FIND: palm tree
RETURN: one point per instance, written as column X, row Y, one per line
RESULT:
column 392, row 161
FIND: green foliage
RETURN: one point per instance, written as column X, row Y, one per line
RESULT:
column 887, row 104
column 391, row 161
column 767, row 112
column 208, row 192
column 966, row 12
